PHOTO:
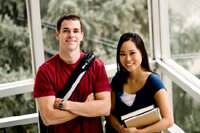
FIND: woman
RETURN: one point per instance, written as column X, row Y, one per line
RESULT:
column 135, row 86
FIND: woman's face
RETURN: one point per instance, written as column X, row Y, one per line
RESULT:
column 130, row 56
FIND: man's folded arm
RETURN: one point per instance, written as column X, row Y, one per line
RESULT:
column 99, row 107
column 50, row 115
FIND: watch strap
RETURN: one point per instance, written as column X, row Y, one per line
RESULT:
column 61, row 104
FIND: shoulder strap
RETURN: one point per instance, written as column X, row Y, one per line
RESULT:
column 70, row 86
column 76, row 76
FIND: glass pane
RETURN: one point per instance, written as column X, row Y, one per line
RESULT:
column 103, row 23
column 184, row 23
column 190, row 64
column 17, row 105
column 186, row 110
column 15, row 55
column 30, row 128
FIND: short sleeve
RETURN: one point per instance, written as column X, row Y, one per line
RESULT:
column 43, row 83
column 156, row 83
column 116, row 83
column 101, row 81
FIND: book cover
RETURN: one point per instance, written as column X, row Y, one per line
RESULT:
column 142, row 117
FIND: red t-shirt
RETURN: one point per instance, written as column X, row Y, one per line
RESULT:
column 54, row 73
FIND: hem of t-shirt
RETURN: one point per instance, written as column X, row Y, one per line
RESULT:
column 37, row 96
column 102, row 90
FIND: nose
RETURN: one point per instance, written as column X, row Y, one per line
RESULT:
column 71, row 34
column 128, row 58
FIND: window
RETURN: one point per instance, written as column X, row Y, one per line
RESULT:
column 103, row 23
column 15, row 63
column 187, row 109
column 15, row 57
column 184, row 23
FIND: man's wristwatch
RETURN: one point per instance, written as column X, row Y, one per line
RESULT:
column 61, row 105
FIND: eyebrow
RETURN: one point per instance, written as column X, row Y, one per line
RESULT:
column 65, row 28
column 128, row 51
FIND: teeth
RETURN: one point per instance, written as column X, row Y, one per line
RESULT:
column 128, row 64
column 70, row 40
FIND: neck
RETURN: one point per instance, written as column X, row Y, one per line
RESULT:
column 137, row 74
column 70, row 57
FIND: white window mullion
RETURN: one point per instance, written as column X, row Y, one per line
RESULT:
column 164, row 30
column 35, row 32
column 155, row 29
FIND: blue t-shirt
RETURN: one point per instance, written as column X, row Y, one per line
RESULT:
column 144, row 97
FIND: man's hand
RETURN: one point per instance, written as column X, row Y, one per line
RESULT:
column 57, row 101
column 50, row 112
column 90, row 97
column 94, row 106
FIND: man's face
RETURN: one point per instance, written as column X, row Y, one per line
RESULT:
column 70, row 35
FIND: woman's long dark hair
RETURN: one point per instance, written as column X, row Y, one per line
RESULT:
column 140, row 45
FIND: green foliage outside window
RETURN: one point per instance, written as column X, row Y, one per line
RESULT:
column 103, row 23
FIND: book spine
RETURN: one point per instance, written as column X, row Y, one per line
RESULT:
column 123, row 123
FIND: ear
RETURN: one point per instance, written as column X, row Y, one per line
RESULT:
column 82, row 34
column 57, row 35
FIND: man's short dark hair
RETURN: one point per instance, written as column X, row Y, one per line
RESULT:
column 69, row 16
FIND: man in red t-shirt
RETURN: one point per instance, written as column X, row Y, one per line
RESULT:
column 90, row 100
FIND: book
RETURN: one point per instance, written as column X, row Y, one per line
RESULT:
column 142, row 117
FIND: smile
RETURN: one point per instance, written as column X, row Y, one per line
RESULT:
column 129, row 64
column 70, row 40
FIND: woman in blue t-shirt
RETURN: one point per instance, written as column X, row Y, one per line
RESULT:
column 135, row 86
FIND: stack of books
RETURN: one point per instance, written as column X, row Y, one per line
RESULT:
column 142, row 117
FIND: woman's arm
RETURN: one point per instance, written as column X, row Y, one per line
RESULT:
column 113, row 121
column 167, row 120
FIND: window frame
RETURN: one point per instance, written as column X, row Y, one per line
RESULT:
column 160, row 60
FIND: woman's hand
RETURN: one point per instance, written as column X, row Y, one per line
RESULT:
column 131, row 130
column 121, row 129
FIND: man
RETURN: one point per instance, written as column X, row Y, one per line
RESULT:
column 90, row 100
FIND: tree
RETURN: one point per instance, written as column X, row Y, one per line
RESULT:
column 15, row 61
column 102, row 28
column 184, row 38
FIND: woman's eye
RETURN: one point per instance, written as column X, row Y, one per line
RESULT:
column 132, row 53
